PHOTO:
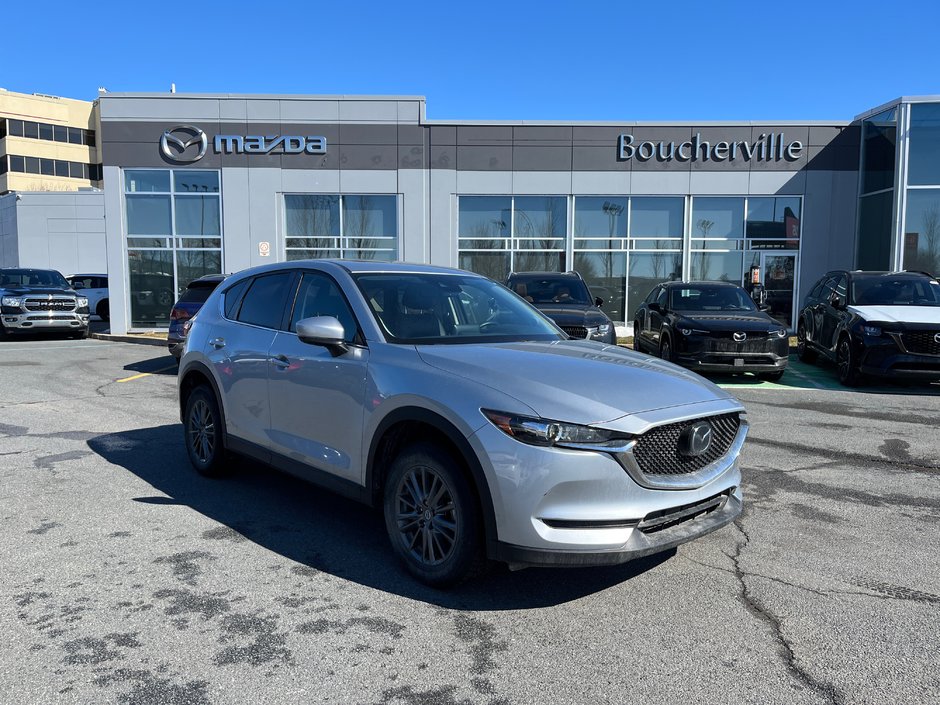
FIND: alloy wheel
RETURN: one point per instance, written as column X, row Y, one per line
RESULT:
column 426, row 515
column 202, row 431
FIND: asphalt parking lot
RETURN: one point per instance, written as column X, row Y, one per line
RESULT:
column 126, row 578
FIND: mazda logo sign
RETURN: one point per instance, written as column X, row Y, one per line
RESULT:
column 740, row 337
column 696, row 440
column 184, row 144
column 936, row 338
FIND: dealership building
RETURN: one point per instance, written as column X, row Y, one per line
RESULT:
column 197, row 184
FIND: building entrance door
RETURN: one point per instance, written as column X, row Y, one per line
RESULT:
column 778, row 272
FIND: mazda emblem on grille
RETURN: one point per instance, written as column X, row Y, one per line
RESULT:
column 696, row 439
column 740, row 337
column 936, row 338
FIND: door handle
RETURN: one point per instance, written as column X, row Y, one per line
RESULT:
column 217, row 343
column 281, row 362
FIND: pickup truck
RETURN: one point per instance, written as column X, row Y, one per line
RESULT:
column 41, row 301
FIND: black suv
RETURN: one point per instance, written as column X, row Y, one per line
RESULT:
column 885, row 324
column 711, row 327
column 41, row 301
column 565, row 298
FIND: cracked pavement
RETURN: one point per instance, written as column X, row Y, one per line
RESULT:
column 126, row 578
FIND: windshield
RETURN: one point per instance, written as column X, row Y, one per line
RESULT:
column 48, row 278
column 881, row 290
column 711, row 298
column 451, row 308
column 549, row 290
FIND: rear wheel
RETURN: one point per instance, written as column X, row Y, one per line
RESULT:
column 103, row 309
column 665, row 349
column 205, row 440
column 432, row 517
column 846, row 363
column 803, row 350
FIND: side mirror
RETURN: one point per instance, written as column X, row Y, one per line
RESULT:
column 598, row 301
column 763, row 307
column 835, row 300
column 323, row 330
column 654, row 307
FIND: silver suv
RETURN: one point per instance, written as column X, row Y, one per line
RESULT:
column 481, row 430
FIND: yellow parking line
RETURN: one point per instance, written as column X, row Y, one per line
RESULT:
column 146, row 374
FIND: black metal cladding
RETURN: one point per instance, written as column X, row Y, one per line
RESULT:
column 657, row 450
column 921, row 342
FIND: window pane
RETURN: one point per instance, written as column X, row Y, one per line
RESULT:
column 201, row 181
column 598, row 216
column 717, row 266
column 369, row 216
column 32, row 165
column 378, row 255
column 31, row 129
column 232, row 297
column 296, row 254
column 656, row 217
column 879, row 137
column 150, row 180
column 47, row 166
column 774, row 217
column 264, row 303
column 45, row 131
column 3, row 164
column 922, row 231
column 310, row 215
column 535, row 261
column 192, row 264
column 148, row 242
column 197, row 215
column 75, row 135
column 647, row 269
column 606, row 277
column 15, row 127
column 874, row 230
column 17, row 163
column 319, row 296
column 718, row 217
column 61, row 168
column 78, row 170
column 494, row 265
column 151, row 287
column 148, row 215
column 3, row 128
column 60, row 133
column 90, row 138
column 924, row 156
column 485, row 217
column 540, row 217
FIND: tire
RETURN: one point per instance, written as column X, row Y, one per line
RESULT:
column 846, row 364
column 203, row 433
column 770, row 376
column 425, row 484
column 3, row 332
column 636, row 337
column 665, row 349
column 103, row 309
column 81, row 335
column 803, row 350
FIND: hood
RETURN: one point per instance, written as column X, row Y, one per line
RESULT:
column 31, row 290
column 574, row 380
column 742, row 321
column 898, row 314
column 574, row 314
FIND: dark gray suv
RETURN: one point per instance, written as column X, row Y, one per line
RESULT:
column 479, row 428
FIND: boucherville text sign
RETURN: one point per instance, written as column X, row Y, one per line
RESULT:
column 766, row 148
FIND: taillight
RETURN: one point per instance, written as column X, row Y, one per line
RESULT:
column 184, row 331
column 180, row 314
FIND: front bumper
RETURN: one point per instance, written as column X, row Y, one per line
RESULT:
column 43, row 321
column 555, row 506
column 886, row 357
column 706, row 354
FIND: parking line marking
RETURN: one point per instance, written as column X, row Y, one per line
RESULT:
column 146, row 374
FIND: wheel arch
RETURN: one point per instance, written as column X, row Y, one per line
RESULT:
column 407, row 424
column 198, row 374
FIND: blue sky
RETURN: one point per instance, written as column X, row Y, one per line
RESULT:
column 487, row 60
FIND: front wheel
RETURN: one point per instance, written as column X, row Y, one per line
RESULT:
column 770, row 376
column 636, row 336
column 803, row 350
column 665, row 350
column 432, row 517
column 849, row 375
column 204, row 436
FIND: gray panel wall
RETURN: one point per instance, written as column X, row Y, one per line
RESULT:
column 55, row 230
column 9, row 248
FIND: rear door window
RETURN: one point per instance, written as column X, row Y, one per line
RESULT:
column 233, row 297
column 265, row 300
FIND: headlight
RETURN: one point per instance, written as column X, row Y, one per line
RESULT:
column 779, row 333
column 692, row 331
column 599, row 331
column 543, row 432
column 10, row 301
column 82, row 302
column 873, row 331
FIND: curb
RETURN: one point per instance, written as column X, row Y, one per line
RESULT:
column 140, row 339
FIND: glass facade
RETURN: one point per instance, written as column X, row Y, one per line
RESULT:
column 921, row 245
column 173, row 228
column 876, row 205
column 348, row 226
column 624, row 245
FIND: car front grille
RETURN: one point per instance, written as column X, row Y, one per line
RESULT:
column 657, row 451
column 575, row 331
column 751, row 345
column 922, row 342
column 50, row 304
column 667, row 518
